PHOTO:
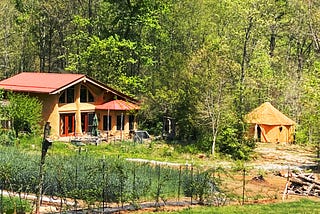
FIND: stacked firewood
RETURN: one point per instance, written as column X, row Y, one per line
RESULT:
column 304, row 184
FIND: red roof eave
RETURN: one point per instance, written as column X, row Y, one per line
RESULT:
column 119, row 105
column 26, row 89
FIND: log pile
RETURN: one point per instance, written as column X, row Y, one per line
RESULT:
column 304, row 184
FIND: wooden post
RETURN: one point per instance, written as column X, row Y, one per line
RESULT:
column 121, row 127
column 244, row 184
column 104, row 183
column 46, row 143
column 192, row 184
column 179, row 184
column 285, row 191
column 1, row 195
column 108, row 124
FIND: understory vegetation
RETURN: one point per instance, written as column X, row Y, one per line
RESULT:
column 12, row 205
column 86, row 176
column 101, row 175
column 203, row 63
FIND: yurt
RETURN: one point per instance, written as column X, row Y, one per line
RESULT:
column 268, row 124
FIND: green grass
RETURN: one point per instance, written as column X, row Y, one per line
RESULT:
column 158, row 151
column 304, row 206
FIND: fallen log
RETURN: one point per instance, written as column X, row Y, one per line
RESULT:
column 308, row 179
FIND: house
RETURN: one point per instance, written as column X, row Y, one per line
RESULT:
column 72, row 103
column 268, row 124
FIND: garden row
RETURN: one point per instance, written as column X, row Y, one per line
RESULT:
column 102, row 180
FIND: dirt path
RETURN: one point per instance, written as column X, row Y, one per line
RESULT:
column 270, row 156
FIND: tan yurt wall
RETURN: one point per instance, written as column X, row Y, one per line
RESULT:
column 275, row 134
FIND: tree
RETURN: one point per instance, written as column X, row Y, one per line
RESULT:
column 25, row 113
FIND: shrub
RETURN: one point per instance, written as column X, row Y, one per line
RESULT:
column 7, row 137
column 15, row 205
column 232, row 143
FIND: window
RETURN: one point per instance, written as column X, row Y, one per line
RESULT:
column 131, row 122
column 90, row 121
column 67, row 96
column 120, row 122
column 107, row 123
column 85, row 95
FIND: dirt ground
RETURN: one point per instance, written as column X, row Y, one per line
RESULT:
column 265, row 176
column 270, row 156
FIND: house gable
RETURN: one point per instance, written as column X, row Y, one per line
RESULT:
column 54, row 83
column 70, row 101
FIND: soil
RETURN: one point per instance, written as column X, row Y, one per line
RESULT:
column 265, row 176
column 270, row 156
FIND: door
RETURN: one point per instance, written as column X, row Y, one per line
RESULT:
column 67, row 125
column 86, row 122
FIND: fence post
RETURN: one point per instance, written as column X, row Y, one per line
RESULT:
column 158, row 186
column 192, row 185
column 244, row 184
column 104, row 183
column 46, row 143
column 76, row 181
column 285, row 192
column 134, row 191
column 1, row 196
column 179, row 184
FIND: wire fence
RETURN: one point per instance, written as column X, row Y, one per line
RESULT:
column 84, row 182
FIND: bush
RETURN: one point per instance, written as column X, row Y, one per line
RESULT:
column 231, row 142
column 7, row 137
column 15, row 205
column 199, row 185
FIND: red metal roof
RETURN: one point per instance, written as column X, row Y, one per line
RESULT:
column 39, row 82
column 117, row 105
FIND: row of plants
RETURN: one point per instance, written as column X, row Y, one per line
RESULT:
column 100, row 179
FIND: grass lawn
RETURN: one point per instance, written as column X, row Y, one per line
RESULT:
column 305, row 206
column 158, row 151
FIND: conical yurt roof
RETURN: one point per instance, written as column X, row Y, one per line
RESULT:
column 268, row 115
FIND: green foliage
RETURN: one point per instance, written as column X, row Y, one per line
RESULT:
column 84, row 176
column 11, row 205
column 25, row 112
column 199, row 62
column 200, row 185
column 7, row 137
column 234, row 146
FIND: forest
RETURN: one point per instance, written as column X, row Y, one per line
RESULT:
column 205, row 63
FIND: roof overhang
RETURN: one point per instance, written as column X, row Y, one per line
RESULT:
column 118, row 105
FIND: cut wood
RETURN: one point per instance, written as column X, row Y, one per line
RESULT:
column 308, row 179
column 303, row 184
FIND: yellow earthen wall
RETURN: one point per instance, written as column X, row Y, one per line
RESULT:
column 52, row 109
